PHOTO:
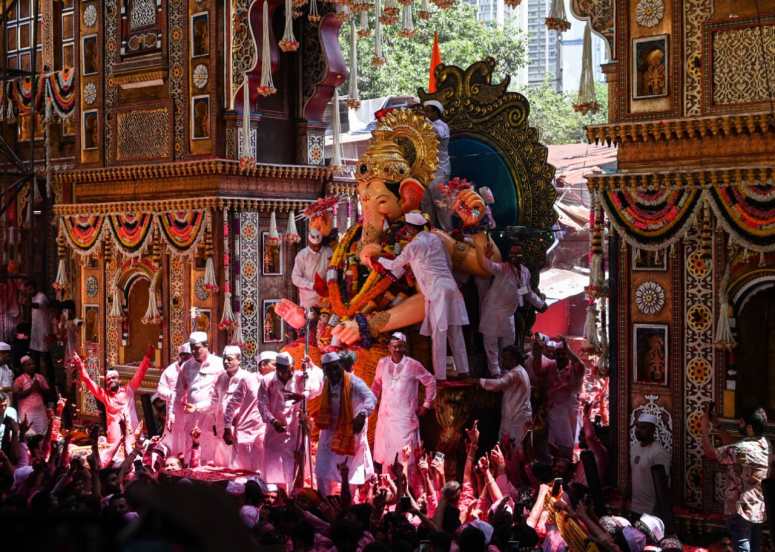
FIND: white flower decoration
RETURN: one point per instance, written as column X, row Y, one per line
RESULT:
column 89, row 93
column 649, row 13
column 650, row 298
column 90, row 15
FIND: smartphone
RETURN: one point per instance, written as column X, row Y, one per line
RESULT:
column 438, row 456
column 271, row 487
column 404, row 504
column 557, row 486
column 513, row 545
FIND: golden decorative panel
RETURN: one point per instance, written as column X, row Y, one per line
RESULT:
column 742, row 59
column 696, row 13
column 143, row 135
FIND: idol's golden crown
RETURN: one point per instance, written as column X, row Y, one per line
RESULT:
column 403, row 145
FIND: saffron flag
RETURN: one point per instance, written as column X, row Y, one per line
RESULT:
column 435, row 60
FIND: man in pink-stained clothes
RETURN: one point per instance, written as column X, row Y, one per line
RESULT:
column 396, row 384
column 243, row 427
column 119, row 402
column 30, row 390
column 166, row 388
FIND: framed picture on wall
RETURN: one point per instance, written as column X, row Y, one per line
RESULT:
column 200, row 117
column 650, row 67
column 200, row 322
column 649, row 355
column 90, row 130
column 89, row 60
column 273, row 327
column 272, row 256
column 200, row 34
column 650, row 260
column 91, row 324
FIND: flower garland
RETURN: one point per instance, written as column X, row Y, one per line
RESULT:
column 227, row 318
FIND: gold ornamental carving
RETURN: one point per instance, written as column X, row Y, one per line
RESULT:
column 151, row 77
column 143, row 135
column 743, row 67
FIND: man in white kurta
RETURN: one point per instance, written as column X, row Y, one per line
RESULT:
column 509, row 290
column 166, row 389
column 279, row 404
column 193, row 399
column 243, row 428
column 224, row 388
column 362, row 400
column 310, row 261
column 445, row 309
column 514, row 383
column 435, row 200
column 396, row 385
column 6, row 374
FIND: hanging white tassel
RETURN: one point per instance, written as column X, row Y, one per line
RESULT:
column 115, row 307
column 762, row 260
column 227, row 319
column 266, row 85
column 314, row 14
column 209, row 281
column 363, row 30
column 237, row 338
column 424, row 12
column 11, row 115
column 288, row 43
column 724, row 339
column 557, row 19
column 274, row 236
column 407, row 24
column 587, row 100
column 152, row 314
column 336, row 158
column 354, row 96
column 378, row 58
column 60, row 282
column 247, row 156
column 292, row 235
column 590, row 326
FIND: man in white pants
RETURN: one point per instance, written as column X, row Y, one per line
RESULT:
column 396, row 383
column 510, row 289
column 243, row 428
column 445, row 308
column 166, row 389
column 192, row 403
column 278, row 404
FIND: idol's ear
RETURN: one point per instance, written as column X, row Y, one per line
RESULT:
column 411, row 192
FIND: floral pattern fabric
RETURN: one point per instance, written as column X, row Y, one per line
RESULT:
column 747, row 464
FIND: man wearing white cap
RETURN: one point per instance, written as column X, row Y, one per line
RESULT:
column 396, row 385
column 166, row 388
column 445, row 309
column 435, row 200
column 119, row 402
column 278, row 403
column 310, row 261
column 644, row 454
column 345, row 405
column 192, row 403
column 266, row 362
column 6, row 374
column 243, row 427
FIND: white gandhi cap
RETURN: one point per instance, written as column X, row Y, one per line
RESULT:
column 185, row 349
column 436, row 104
column 416, row 218
column 4, row 346
column 232, row 350
column 284, row 359
column 265, row 356
column 197, row 337
column 328, row 358
column 648, row 419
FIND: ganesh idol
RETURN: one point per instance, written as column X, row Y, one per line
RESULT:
column 370, row 289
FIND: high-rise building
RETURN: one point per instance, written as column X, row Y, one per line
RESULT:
column 552, row 58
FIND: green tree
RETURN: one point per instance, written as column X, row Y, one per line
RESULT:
column 552, row 113
column 462, row 40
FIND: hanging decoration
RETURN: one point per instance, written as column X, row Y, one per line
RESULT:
column 724, row 339
column 378, row 58
column 60, row 92
column 181, row 230
column 292, row 234
column 83, row 232
column 247, row 158
column 363, row 29
column 336, row 158
column 407, row 24
column 353, row 96
column 587, row 100
column 596, row 272
column 557, row 19
column 274, row 236
column 424, row 12
column 209, row 281
column 266, row 85
column 116, row 304
column 314, row 14
column 152, row 314
column 746, row 212
column 288, row 43
column 444, row 4
column 590, row 325
column 60, row 282
column 390, row 11
column 131, row 231
column 228, row 319
column 512, row 3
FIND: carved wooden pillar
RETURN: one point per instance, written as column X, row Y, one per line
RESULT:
column 612, row 78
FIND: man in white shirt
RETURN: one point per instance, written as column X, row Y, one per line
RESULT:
column 345, row 406
column 40, row 328
column 166, row 389
column 509, row 290
column 243, row 428
column 445, row 308
column 645, row 454
column 396, row 384
column 279, row 404
column 516, row 413
column 192, row 402
column 6, row 374
column 6, row 412
column 310, row 261
column 435, row 200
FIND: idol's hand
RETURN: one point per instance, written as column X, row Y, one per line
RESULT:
column 469, row 206
column 347, row 332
